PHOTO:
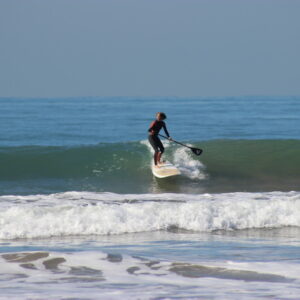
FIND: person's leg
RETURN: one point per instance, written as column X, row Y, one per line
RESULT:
column 162, row 150
column 159, row 157
column 153, row 143
column 156, row 158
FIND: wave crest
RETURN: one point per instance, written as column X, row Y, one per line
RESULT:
column 81, row 213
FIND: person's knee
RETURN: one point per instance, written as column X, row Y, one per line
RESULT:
column 162, row 150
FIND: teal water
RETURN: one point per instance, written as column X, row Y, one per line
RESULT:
column 225, row 166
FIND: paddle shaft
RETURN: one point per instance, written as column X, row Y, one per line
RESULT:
column 175, row 141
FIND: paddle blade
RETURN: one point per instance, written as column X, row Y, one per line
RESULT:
column 197, row 151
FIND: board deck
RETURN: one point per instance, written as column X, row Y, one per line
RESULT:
column 165, row 170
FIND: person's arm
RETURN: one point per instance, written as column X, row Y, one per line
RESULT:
column 165, row 129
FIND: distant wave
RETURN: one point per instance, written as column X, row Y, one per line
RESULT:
column 82, row 213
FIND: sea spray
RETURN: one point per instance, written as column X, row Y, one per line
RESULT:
column 188, row 165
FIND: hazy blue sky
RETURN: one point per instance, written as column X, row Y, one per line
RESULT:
column 183, row 48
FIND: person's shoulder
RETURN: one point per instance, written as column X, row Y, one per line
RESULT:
column 152, row 123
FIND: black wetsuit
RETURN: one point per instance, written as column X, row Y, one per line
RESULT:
column 153, row 138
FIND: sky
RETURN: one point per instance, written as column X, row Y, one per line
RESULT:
column 149, row 48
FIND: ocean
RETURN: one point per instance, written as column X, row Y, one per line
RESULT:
column 82, row 217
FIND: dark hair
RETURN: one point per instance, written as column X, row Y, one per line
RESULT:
column 162, row 115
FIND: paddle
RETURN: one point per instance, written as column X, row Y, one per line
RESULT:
column 196, row 151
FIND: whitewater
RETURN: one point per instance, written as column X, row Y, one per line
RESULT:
column 82, row 217
column 81, row 213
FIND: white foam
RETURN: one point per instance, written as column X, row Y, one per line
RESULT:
column 86, row 213
column 189, row 166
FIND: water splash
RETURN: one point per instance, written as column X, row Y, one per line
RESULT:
column 189, row 167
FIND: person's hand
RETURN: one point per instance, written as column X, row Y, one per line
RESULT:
column 170, row 139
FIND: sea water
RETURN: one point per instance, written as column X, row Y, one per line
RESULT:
column 82, row 217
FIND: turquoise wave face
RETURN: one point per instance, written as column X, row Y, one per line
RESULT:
column 225, row 166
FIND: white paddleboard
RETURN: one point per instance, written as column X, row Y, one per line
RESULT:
column 165, row 170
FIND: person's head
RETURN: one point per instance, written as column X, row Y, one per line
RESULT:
column 160, row 116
